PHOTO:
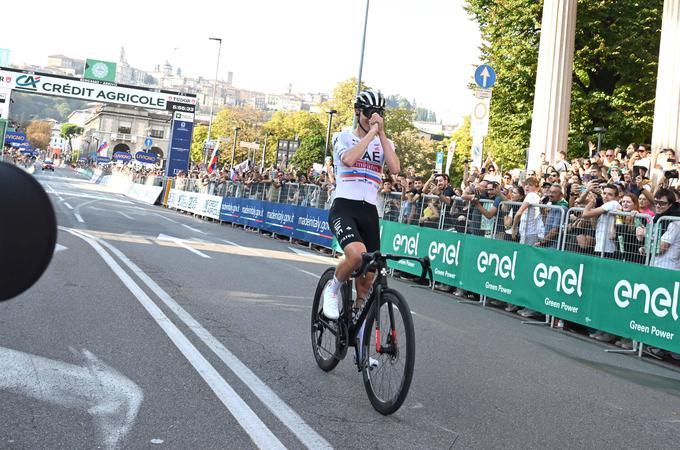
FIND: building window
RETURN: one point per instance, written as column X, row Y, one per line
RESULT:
column 158, row 134
column 125, row 128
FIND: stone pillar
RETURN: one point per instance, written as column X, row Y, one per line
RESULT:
column 666, row 132
column 552, row 99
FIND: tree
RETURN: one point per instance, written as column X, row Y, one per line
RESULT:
column 415, row 150
column 197, row 143
column 342, row 101
column 39, row 133
column 463, row 142
column 69, row 131
column 617, row 44
column 311, row 151
column 398, row 120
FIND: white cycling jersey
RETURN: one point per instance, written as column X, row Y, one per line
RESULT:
column 363, row 180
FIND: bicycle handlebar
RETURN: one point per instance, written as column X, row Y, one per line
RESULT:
column 371, row 260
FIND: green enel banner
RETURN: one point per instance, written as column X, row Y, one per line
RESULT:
column 625, row 299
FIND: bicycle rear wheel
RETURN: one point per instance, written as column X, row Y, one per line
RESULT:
column 326, row 334
column 388, row 369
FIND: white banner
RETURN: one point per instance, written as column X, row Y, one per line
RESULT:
column 479, row 120
column 4, row 102
column 193, row 202
column 477, row 150
column 88, row 90
column 449, row 155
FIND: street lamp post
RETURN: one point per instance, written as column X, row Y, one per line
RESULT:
column 233, row 147
column 361, row 61
column 264, row 150
column 600, row 131
column 328, row 132
column 212, row 103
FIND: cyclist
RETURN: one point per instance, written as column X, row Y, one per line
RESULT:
column 353, row 218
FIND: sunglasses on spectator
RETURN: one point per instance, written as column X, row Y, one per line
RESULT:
column 661, row 203
column 610, row 155
column 491, row 169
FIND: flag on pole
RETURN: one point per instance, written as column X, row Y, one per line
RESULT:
column 212, row 163
column 103, row 147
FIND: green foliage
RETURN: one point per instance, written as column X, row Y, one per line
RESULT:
column 200, row 135
column 415, row 150
column 615, row 63
column 342, row 101
column 398, row 121
column 463, row 142
column 311, row 150
column 69, row 131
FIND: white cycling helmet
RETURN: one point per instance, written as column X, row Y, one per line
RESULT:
column 370, row 99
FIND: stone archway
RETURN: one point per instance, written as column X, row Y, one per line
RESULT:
column 157, row 151
column 121, row 148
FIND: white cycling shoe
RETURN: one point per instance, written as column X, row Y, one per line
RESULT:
column 330, row 304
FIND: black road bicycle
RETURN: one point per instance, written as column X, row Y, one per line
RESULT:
column 381, row 333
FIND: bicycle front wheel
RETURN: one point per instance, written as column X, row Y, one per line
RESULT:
column 389, row 355
column 326, row 334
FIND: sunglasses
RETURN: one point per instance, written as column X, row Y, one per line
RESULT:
column 368, row 112
column 491, row 170
column 660, row 203
column 609, row 155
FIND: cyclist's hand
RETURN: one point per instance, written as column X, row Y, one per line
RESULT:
column 376, row 122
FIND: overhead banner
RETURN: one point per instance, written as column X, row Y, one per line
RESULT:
column 71, row 87
column 100, row 70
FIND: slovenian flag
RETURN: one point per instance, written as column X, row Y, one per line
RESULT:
column 212, row 164
column 103, row 147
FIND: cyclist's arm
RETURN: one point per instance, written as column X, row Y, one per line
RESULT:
column 391, row 157
column 354, row 154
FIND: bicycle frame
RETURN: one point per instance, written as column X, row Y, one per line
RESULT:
column 373, row 301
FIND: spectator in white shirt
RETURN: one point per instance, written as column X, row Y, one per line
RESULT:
column 604, row 244
column 528, row 216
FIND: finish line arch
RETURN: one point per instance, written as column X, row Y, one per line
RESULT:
column 182, row 106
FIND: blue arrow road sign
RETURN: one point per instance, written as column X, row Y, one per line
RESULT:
column 147, row 142
column 485, row 76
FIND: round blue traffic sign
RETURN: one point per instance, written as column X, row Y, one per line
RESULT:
column 485, row 76
column 148, row 141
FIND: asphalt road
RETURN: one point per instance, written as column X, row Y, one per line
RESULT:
column 155, row 329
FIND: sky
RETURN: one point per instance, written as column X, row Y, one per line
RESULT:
column 424, row 50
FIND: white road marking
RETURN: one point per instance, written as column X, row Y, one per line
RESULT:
column 264, row 393
column 166, row 218
column 254, row 252
column 68, row 205
column 59, row 248
column 246, row 417
column 180, row 242
column 79, row 218
column 312, row 255
column 315, row 275
column 125, row 215
column 111, row 398
column 193, row 229
column 95, row 197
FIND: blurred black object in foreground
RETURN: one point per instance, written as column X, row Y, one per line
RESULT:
column 28, row 231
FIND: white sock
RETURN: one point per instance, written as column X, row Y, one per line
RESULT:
column 335, row 285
